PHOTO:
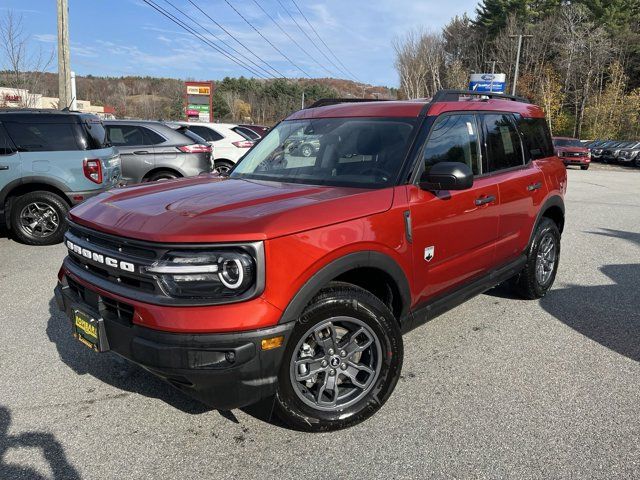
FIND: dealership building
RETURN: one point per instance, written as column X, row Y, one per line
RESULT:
column 21, row 98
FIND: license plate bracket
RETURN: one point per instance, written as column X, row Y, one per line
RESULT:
column 89, row 331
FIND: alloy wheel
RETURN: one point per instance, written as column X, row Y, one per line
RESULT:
column 39, row 219
column 546, row 258
column 336, row 363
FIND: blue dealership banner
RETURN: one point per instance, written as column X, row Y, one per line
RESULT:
column 487, row 82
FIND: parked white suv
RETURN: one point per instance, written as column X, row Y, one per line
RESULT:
column 228, row 145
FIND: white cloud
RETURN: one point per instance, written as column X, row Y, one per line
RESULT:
column 46, row 37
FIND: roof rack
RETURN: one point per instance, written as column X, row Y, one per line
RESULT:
column 324, row 102
column 454, row 96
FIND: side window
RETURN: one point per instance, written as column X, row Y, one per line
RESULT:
column 502, row 142
column 43, row 137
column 151, row 137
column 536, row 137
column 6, row 145
column 453, row 138
column 208, row 134
column 125, row 135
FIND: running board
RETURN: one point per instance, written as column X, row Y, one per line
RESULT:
column 430, row 310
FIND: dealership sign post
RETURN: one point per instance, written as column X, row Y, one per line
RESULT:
column 488, row 82
column 199, row 101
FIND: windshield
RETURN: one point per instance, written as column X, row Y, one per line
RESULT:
column 356, row 152
column 567, row 142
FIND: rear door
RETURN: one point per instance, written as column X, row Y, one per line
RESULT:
column 453, row 232
column 136, row 155
column 520, row 181
column 10, row 163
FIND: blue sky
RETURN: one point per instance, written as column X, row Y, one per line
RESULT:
column 127, row 37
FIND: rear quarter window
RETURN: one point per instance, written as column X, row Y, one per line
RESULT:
column 45, row 137
column 95, row 134
column 536, row 137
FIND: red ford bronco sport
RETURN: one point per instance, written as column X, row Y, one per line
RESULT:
column 294, row 277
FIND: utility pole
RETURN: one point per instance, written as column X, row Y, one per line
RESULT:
column 515, row 76
column 64, row 59
column 493, row 73
column 303, row 99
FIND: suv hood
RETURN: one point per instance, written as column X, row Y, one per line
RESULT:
column 573, row 149
column 213, row 209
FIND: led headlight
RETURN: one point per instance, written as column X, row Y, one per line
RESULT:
column 215, row 274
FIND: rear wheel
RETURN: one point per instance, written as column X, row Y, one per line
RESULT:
column 223, row 166
column 39, row 218
column 584, row 167
column 342, row 362
column 539, row 273
column 162, row 175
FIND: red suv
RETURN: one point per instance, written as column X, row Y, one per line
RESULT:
column 294, row 277
column 572, row 152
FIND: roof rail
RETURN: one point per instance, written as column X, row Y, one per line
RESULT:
column 454, row 96
column 324, row 102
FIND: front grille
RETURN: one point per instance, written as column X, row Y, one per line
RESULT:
column 136, row 254
column 108, row 308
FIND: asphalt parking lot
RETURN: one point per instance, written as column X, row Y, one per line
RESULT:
column 497, row 388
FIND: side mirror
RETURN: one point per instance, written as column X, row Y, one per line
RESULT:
column 447, row 176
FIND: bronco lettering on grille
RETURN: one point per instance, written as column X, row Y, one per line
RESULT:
column 99, row 258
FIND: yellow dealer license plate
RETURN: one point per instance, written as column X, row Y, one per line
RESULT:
column 85, row 329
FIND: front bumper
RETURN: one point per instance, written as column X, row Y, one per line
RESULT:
column 223, row 370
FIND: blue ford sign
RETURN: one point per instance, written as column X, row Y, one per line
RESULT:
column 487, row 82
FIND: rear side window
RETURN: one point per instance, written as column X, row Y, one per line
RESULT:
column 205, row 132
column 96, row 134
column 246, row 133
column 503, row 149
column 152, row 138
column 44, row 137
column 6, row 145
column 126, row 135
column 536, row 137
column 453, row 138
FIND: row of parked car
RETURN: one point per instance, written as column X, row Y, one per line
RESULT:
column 613, row 151
column 51, row 160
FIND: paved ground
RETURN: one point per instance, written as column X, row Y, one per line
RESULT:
column 498, row 388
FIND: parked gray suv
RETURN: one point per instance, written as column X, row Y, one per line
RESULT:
column 152, row 151
column 49, row 161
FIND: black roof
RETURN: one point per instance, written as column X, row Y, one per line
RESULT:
column 40, row 115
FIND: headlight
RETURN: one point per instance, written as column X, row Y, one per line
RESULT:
column 227, row 273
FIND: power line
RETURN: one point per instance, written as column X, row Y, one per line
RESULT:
column 209, row 32
column 221, row 27
column 310, row 39
column 266, row 39
column 186, row 27
column 323, row 42
column 292, row 39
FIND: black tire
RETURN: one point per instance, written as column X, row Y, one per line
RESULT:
column 51, row 208
column 342, row 300
column 584, row 167
column 223, row 166
column 162, row 175
column 527, row 283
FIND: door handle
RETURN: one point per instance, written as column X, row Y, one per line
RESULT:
column 534, row 186
column 140, row 152
column 4, row 167
column 485, row 200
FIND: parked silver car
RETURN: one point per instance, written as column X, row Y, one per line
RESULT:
column 630, row 155
column 152, row 151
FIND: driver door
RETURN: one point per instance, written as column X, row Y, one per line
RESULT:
column 453, row 232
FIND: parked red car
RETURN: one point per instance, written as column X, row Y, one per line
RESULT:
column 572, row 152
column 294, row 277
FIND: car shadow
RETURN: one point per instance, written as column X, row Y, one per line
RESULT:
column 113, row 370
column 52, row 451
column 127, row 376
column 607, row 314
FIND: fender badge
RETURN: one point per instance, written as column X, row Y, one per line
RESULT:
column 429, row 252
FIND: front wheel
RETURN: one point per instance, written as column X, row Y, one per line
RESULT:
column 539, row 273
column 342, row 362
column 584, row 167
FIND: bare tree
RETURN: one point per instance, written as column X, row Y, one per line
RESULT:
column 420, row 60
column 25, row 70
